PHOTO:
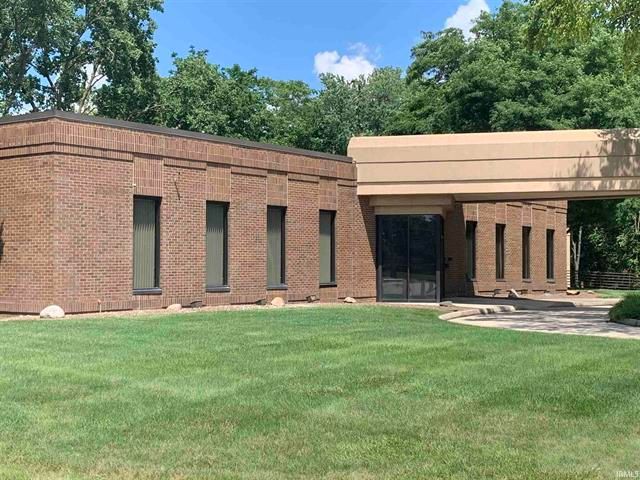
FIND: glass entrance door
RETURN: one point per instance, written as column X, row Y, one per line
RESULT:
column 409, row 258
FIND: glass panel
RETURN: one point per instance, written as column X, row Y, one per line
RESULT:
column 275, row 236
column 526, row 255
column 499, row 251
column 394, row 257
column 550, row 248
column 424, row 235
column 471, row 250
column 327, row 269
column 216, row 244
column 144, row 243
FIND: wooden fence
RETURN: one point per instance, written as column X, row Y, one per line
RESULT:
column 609, row 280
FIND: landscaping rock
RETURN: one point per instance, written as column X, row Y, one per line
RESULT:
column 513, row 294
column 52, row 311
column 573, row 292
column 278, row 302
column 176, row 307
column 312, row 298
column 350, row 300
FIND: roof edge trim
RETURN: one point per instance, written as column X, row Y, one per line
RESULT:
column 144, row 127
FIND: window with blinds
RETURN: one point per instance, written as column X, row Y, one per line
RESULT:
column 275, row 246
column 216, row 243
column 500, row 251
column 550, row 254
column 146, row 244
column 327, row 248
column 470, row 251
column 526, row 253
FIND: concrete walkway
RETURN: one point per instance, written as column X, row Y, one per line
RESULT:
column 571, row 321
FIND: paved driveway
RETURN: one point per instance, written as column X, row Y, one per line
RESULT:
column 571, row 321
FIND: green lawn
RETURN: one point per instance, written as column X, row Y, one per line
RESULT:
column 345, row 392
column 605, row 293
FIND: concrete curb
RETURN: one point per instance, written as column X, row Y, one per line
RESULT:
column 631, row 322
column 477, row 311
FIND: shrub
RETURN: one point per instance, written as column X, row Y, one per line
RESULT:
column 628, row 307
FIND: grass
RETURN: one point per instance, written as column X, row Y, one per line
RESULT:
column 627, row 308
column 607, row 293
column 344, row 392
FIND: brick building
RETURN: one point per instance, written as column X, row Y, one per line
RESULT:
column 97, row 214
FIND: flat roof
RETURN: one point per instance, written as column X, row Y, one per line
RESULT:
column 143, row 127
column 501, row 165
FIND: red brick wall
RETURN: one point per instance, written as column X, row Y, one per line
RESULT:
column 66, row 205
column 68, row 218
column 540, row 216
column 26, row 232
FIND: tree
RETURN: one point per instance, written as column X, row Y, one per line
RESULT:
column 204, row 97
column 289, row 107
column 56, row 54
column 363, row 106
column 570, row 20
column 495, row 82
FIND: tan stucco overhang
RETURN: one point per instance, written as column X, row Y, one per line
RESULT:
column 563, row 164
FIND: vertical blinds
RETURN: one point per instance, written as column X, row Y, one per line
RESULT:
column 550, row 253
column 499, row 251
column 275, row 245
column 327, row 266
column 145, row 236
column 526, row 252
column 470, row 234
column 216, row 244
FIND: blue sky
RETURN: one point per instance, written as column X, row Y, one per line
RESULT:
column 287, row 39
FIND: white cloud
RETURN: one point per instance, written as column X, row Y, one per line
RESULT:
column 465, row 16
column 349, row 66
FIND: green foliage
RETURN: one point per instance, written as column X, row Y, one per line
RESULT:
column 570, row 20
column 363, row 106
column 204, row 97
column 495, row 82
column 55, row 54
column 625, row 309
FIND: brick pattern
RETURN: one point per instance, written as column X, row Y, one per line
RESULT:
column 303, row 255
column 277, row 189
column 67, row 208
column 66, row 212
column 218, row 182
column 147, row 176
column 540, row 216
column 26, row 230
column 328, row 194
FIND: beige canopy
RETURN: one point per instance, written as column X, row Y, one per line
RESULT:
column 438, row 169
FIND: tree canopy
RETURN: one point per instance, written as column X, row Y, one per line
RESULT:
column 570, row 20
column 56, row 54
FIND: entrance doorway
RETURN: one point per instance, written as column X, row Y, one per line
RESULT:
column 409, row 258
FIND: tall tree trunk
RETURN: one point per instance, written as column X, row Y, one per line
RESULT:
column 576, row 250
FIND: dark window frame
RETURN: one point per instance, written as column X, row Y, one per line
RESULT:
column 550, row 254
column 500, row 251
column 471, row 270
column 155, row 290
column 526, row 252
column 224, row 287
column 332, row 280
column 283, row 249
